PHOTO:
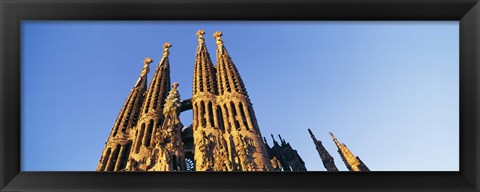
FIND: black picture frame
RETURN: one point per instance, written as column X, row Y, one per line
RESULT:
column 12, row 12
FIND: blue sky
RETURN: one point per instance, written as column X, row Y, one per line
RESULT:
column 388, row 90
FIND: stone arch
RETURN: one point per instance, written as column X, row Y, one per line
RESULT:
column 140, row 138
column 113, row 158
column 105, row 159
column 244, row 118
column 148, row 133
column 125, row 154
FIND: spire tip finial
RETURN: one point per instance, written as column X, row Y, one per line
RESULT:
column 200, row 32
column 217, row 35
column 166, row 47
column 175, row 84
column 147, row 61
column 331, row 134
column 311, row 133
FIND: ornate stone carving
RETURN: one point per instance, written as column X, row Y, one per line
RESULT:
column 166, row 47
column 171, row 109
column 200, row 34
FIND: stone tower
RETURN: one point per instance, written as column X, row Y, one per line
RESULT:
column 327, row 159
column 210, row 148
column 224, row 136
column 118, row 146
column 151, row 116
column 242, row 134
column 352, row 162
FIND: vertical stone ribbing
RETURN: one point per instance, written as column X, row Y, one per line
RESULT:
column 210, row 147
column 327, row 159
column 247, row 150
column 125, row 122
column 151, row 116
column 352, row 162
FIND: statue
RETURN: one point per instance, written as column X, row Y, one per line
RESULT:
column 172, row 106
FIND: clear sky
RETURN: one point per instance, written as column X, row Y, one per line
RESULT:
column 388, row 90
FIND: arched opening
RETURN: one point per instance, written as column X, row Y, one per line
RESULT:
column 234, row 115
column 227, row 120
column 220, row 118
column 125, row 155
column 113, row 158
column 244, row 118
column 210, row 114
column 105, row 159
column 148, row 135
column 186, row 117
column 139, row 139
column 202, row 113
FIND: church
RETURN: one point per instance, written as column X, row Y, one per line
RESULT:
column 148, row 134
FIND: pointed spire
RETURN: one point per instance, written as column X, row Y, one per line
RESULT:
column 274, row 141
column 160, row 84
column 126, row 119
column 142, row 80
column 327, row 159
column 228, row 78
column 339, row 145
column 352, row 162
column 281, row 140
column 204, row 73
column 311, row 134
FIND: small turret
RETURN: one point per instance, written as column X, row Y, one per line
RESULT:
column 352, row 162
column 327, row 159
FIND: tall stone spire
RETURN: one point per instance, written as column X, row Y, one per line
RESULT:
column 151, row 117
column 327, row 159
column 160, row 85
column 204, row 73
column 229, row 79
column 352, row 162
column 117, row 148
column 241, row 129
column 211, row 151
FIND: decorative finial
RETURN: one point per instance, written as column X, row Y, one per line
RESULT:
column 175, row 85
column 200, row 34
column 146, row 63
column 334, row 139
column 331, row 135
column 217, row 35
column 166, row 47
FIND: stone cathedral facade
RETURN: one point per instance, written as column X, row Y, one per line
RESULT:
column 224, row 136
